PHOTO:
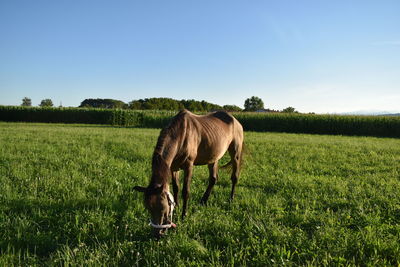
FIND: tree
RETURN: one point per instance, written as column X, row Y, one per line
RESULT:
column 102, row 103
column 136, row 104
column 46, row 103
column 231, row 108
column 194, row 105
column 26, row 102
column 163, row 103
column 289, row 110
column 253, row 103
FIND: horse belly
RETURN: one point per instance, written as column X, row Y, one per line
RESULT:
column 207, row 155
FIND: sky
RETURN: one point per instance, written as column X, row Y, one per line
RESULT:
column 314, row 55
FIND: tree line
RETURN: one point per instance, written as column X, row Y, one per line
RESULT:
column 253, row 103
column 157, row 103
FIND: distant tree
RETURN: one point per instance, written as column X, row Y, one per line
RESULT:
column 26, row 102
column 156, row 103
column 209, row 106
column 136, row 104
column 289, row 110
column 194, row 105
column 253, row 103
column 46, row 103
column 163, row 103
column 231, row 108
column 102, row 103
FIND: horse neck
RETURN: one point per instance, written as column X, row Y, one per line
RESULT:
column 167, row 144
column 161, row 165
column 166, row 150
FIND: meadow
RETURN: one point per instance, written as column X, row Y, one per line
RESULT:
column 67, row 199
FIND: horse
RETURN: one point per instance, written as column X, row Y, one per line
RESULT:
column 189, row 140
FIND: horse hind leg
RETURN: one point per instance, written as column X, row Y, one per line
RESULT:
column 213, row 169
column 235, row 152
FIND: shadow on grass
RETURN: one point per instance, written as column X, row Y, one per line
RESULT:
column 42, row 227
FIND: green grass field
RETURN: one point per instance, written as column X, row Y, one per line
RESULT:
column 66, row 199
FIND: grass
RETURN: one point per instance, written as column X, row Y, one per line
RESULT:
column 66, row 199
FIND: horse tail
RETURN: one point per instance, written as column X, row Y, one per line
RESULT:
column 228, row 165
column 242, row 153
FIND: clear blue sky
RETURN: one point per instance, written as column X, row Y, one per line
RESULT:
column 321, row 56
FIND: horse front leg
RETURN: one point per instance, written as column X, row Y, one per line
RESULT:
column 175, row 186
column 188, row 171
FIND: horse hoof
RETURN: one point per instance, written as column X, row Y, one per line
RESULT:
column 203, row 202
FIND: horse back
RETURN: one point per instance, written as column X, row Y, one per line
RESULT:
column 215, row 132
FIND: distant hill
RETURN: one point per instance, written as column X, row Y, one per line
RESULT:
column 394, row 114
column 371, row 113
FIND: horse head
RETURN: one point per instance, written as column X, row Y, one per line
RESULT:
column 160, row 204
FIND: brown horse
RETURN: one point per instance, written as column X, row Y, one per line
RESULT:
column 189, row 140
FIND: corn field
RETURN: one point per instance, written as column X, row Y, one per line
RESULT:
column 383, row 126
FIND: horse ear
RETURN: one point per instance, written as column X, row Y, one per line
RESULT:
column 140, row 188
column 154, row 189
column 158, row 190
